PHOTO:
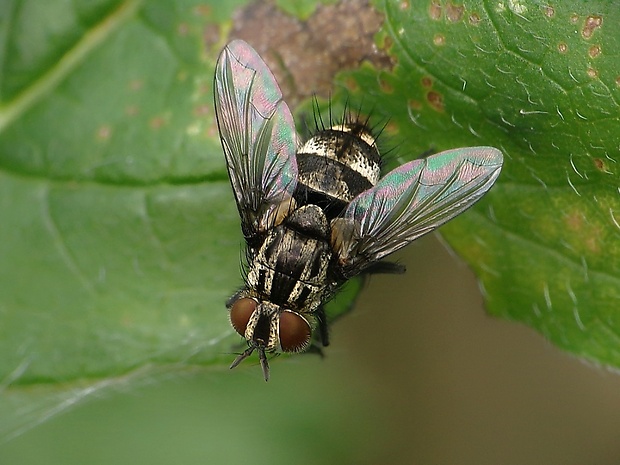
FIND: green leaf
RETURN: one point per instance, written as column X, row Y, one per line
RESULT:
column 108, row 222
column 301, row 9
column 119, row 238
column 542, row 83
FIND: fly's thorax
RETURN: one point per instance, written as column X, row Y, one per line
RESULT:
column 357, row 129
column 310, row 221
column 270, row 327
column 336, row 165
column 275, row 213
column 270, row 215
column 344, row 239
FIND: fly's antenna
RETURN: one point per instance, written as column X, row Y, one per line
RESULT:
column 261, row 356
column 263, row 362
column 242, row 356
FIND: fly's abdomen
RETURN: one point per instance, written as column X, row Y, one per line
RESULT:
column 290, row 268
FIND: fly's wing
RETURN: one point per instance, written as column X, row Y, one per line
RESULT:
column 411, row 201
column 258, row 136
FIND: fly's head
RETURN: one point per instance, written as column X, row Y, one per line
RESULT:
column 268, row 328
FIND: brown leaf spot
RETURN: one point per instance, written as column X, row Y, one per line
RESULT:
column 435, row 100
column 414, row 104
column 592, row 243
column 426, row 82
column 391, row 128
column 136, row 84
column 592, row 23
column 212, row 131
column 183, row 29
column 574, row 18
column 203, row 10
column 104, row 132
column 599, row 164
column 474, row 19
column 549, row 11
column 386, row 86
column 454, row 13
column 202, row 110
column 351, row 84
column 404, row 5
column 594, row 51
column 439, row 39
column 387, row 43
column 588, row 233
column 574, row 221
column 157, row 122
column 618, row 81
column 434, row 10
column 131, row 110
column 592, row 73
column 562, row 47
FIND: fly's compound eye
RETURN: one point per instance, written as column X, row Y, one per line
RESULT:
column 240, row 314
column 294, row 332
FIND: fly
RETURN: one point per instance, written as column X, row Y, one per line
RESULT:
column 317, row 214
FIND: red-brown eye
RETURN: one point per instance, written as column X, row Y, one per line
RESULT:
column 241, row 312
column 294, row 332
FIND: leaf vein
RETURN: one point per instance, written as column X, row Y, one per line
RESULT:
column 63, row 250
column 92, row 39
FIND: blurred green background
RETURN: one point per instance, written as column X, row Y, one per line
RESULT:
column 416, row 374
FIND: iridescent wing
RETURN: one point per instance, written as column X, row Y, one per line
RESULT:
column 258, row 136
column 411, row 201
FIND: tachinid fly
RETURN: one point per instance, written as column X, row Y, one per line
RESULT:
column 315, row 215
